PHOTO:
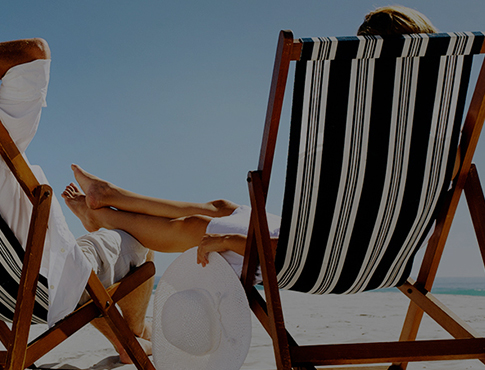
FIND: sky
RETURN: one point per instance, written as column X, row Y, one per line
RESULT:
column 168, row 98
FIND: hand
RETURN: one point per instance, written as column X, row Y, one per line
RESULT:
column 210, row 243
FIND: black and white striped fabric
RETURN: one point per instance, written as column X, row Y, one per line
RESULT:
column 11, row 262
column 374, row 132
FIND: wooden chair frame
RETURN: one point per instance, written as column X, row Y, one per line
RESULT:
column 467, row 343
column 20, row 354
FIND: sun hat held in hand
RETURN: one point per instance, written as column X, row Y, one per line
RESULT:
column 201, row 317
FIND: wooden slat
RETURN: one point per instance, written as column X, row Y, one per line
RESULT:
column 476, row 205
column 441, row 314
column 60, row 332
column 118, row 325
column 17, row 164
column 132, row 281
column 85, row 314
column 259, row 308
column 473, row 126
column 378, row 367
column 266, row 257
column 275, row 105
column 383, row 352
column 412, row 321
column 438, row 312
column 28, row 281
column 296, row 50
column 287, row 50
column 251, row 260
column 5, row 334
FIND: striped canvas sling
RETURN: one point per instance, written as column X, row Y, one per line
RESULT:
column 374, row 132
column 11, row 257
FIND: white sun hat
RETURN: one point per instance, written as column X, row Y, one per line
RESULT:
column 201, row 316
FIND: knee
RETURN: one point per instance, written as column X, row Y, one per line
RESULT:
column 190, row 229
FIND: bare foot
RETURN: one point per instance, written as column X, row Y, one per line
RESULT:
column 76, row 201
column 98, row 192
column 146, row 345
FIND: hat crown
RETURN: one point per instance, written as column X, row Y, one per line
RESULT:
column 191, row 322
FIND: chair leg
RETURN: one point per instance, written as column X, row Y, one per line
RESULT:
column 410, row 329
column 476, row 204
column 260, row 310
column 4, row 333
column 441, row 314
column 85, row 314
column 266, row 257
column 17, row 346
column 116, row 322
column 429, row 266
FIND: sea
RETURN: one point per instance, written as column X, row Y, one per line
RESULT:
column 460, row 286
column 472, row 286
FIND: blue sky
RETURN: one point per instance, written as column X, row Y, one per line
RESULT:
column 168, row 98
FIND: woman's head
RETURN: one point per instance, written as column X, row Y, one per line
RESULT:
column 395, row 20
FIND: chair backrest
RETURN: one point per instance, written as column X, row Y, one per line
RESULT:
column 374, row 132
column 11, row 262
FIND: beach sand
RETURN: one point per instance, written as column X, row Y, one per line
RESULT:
column 372, row 316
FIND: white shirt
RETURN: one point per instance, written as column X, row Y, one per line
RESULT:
column 22, row 96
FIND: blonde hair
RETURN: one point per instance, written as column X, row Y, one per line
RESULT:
column 395, row 20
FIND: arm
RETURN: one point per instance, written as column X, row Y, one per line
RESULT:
column 17, row 52
column 222, row 243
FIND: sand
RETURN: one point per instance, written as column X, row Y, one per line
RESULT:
column 311, row 319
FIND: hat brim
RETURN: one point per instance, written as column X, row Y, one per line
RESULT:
column 220, row 280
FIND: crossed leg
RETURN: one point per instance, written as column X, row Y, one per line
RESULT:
column 159, row 224
column 100, row 193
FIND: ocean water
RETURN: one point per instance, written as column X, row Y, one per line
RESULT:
column 460, row 286
column 474, row 286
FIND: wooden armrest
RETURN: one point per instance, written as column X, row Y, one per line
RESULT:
column 17, row 164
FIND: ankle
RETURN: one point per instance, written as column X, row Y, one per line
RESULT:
column 143, row 331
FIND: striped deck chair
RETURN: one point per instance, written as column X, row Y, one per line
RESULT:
column 376, row 129
column 24, row 293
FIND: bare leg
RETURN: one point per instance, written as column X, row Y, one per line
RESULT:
column 161, row 234
column 100, row 193
column 134, row 307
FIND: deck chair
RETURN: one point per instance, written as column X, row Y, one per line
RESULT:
column 23, row 291
column 376, row 126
